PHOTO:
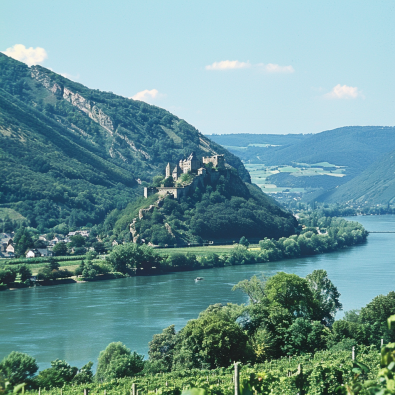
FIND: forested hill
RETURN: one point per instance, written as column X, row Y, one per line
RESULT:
column 355, row 147
column 221, row 208
column 375, row 185
column 70, row 154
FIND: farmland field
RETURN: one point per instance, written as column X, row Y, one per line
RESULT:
column 199, row 251
column 11, row 214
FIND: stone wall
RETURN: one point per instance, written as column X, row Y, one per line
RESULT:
column 217, row 160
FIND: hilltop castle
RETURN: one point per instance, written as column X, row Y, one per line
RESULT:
column 191, row 165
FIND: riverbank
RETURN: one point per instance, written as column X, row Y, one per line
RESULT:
column 76, row 321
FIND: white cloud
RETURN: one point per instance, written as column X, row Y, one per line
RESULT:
column 235, row 64
column 344, row 92
column 228, row 65
column 30, row 56
column 275, row 68
column 148, row 95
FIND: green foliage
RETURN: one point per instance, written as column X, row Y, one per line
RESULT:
column 339, row 234
column 84, row 375
column 254, row 288
column 8, row 275
column 57, row 375
column 210, row 341
column 18, row 367
column 25, row 272
column 118, row 361
column 23, row 241
column 75, row 169
column 180, row 262
column 161, row 350
column 60, row 249
column 51, row 271
column 321, row 373
column 244, row 242
column 222, row 207
column 77, row 241
column 169, row 182
column 326, row 295
column 130, row 256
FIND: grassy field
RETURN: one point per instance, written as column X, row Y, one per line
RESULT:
column 69, row 265
column 260, row 173
column 12, row 214
column 199, row 251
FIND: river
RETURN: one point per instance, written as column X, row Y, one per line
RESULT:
column 76, row 321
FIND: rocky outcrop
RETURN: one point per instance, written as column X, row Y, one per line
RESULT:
column 168, row 228
column 89, row 107
column 133, row 146
column 142, row 211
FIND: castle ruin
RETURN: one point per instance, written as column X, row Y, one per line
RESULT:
column 191, row 165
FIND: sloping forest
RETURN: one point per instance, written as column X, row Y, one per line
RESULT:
column 70, row 154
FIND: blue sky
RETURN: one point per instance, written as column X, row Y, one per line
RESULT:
column 223, row 66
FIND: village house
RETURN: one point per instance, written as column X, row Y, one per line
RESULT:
column 33, row 253
column 45, row 252
column 10, row 249
column 84, row 233
column 6, row 235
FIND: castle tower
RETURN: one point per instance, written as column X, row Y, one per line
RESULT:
column 168, row 170
column 176, row 173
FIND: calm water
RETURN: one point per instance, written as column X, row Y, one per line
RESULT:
column 76, row 321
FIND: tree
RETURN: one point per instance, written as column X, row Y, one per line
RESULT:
column 210, row 342
column 59, row 374
column 77, row 241
column 60, row 249
column 25, row 272
column 305, row 336
column 118, row 361
column 375, row 315
column 244, row 242
column 169, row 182
column 326, row 296
column 161, row 350
column 84, row 375
column 292, row 293
column 99, row 247
column 22, row 241
column 254, row 288
column 39, row 244
column 8, row 275
column 52, row 264
column 18, row 367
column 89, row 270
column 132, row 256
column 157, row 181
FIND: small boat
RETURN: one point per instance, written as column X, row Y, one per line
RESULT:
column 198, row 279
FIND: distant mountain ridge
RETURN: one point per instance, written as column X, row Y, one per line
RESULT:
column 365, row 153
column 375, row 185
column 353, row 146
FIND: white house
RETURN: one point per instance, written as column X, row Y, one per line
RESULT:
column 10, row 249
column 33, row 253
